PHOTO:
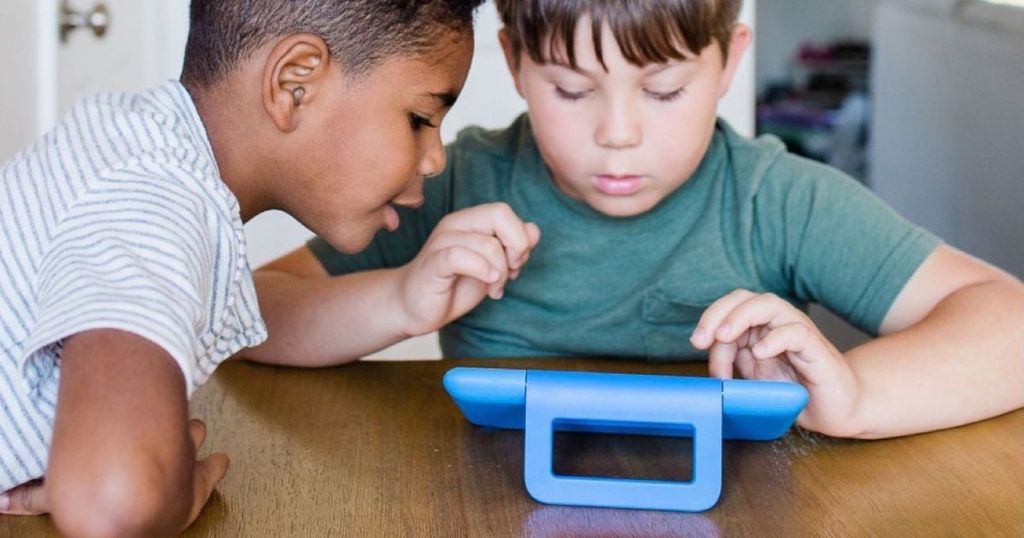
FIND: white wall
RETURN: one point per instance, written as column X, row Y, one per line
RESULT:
column 948, row 123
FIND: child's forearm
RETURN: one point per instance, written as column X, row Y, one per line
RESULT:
column 962, row 363
column 121, row 463
column 327, row 321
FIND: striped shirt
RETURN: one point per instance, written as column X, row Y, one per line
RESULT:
column 116, row 219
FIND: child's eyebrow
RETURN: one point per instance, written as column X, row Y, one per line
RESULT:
column 654, row 69
column 447, row 98
column 565, row 65
column 651, row 69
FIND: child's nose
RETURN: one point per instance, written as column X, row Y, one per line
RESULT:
column 434, row 160
column 620, row 127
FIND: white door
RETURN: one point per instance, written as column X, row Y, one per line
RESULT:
column 140, row 45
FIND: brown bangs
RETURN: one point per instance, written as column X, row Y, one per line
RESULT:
column 647, row 31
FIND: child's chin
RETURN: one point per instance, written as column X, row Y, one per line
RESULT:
column 621, row 208
column 350, row 243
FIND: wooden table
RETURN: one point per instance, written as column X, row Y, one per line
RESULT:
column 378, row 449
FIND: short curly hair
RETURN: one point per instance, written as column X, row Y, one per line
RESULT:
column 648, row 31
column 359, row 33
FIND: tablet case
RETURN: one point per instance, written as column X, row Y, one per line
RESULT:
column 705, row 409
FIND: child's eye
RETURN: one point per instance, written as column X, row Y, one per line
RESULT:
column 571, row 96
column 418, row 122
column 665, row 96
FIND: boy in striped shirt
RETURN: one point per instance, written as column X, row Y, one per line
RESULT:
column 123, row 275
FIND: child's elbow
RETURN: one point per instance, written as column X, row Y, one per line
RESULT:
column 123, row 500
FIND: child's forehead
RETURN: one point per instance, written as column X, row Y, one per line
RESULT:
column 642, row 43
column 588, row 50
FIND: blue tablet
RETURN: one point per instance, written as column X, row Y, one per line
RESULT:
column 751, row 410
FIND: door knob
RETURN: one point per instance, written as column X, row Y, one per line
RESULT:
column 97, row 20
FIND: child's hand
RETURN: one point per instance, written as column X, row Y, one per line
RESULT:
column 30, row 499
column 207, row 472
column 764, row 337
column 471, row 254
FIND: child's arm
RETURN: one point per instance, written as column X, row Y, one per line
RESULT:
column 952, row 352
column 122, row 459
column 315, row 320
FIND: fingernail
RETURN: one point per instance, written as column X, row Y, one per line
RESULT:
column 500, row 294
column 724, row 330
column 5, row 502
column 699, row 335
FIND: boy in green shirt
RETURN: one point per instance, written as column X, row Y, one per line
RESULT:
column 666, row 236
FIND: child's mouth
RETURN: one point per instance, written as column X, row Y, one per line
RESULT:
column 615, row 185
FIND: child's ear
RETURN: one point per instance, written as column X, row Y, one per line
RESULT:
column 295, row 73
column 510, row 58
column 738, row 44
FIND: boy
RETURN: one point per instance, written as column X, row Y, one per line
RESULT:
column 123, row 275
column 666, row 236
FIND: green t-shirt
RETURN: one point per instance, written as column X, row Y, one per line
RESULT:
column 752, row 216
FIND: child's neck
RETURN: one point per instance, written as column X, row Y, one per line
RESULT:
column 236, row 146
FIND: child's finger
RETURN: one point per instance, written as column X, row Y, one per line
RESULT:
column 25, row 500
column 533, row 234
column 721, row 358
column 764, row 309
column 807, row 352
column 499, row 220
column 516, row 236
column 745, row 363
column 458, row 261
column 208, row 472
column 791, row 338
column 197, row 433
column 704, row 335
column 484, row 245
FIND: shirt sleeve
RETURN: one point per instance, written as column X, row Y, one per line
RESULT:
column 134, row 261
column 823, row 237
column 394, row 249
